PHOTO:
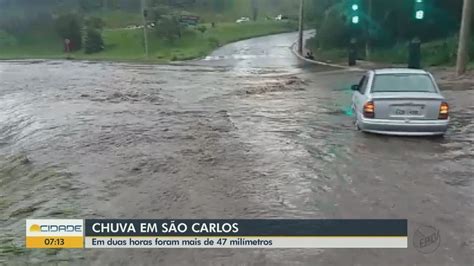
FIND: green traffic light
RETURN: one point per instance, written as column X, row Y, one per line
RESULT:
column 355, row 20
column 420, row 14
column 419, row 9
column 355, row 7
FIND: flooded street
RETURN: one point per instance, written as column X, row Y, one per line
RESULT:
column 247, row 132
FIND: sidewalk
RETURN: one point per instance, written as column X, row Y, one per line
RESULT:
column 316, row 62
column 446, row 76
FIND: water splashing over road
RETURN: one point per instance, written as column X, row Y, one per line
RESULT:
column 247, row 132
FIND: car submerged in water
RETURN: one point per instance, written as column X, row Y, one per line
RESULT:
column 405, row 102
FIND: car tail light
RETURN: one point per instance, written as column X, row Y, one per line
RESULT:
column 444, row 111
column 369, row 110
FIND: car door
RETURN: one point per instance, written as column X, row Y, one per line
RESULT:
column 359, row 97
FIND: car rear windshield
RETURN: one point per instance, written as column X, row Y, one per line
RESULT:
column 403, row 83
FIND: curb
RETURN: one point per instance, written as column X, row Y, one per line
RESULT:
column 321, row 62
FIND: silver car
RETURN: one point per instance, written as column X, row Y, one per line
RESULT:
column 403, row 102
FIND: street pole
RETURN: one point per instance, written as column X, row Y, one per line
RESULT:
column 368, row 22
column 464, row 35
column 145, row 30
column 301, row 28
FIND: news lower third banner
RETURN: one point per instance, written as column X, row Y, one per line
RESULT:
column 272, row 233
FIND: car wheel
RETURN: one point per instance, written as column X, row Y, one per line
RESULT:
column 356, row 124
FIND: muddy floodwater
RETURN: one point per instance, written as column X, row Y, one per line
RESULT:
column 247, row 132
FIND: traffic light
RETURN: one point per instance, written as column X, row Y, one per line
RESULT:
column 355, row 11
column 419, row 9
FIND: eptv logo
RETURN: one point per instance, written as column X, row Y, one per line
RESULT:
column 54, row 227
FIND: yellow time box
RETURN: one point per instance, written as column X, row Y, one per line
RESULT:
column 54, row 233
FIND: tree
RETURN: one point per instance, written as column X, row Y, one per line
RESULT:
column 169, row 28
column 95, row 23
column 157, row 12
column 93, row 42
column 90, row 5
column 68, row 26
column 334, row 31
column 202, row 29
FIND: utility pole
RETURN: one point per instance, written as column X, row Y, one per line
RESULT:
column 254, row 10
column 301, row 28
column 369, row 25
column 145, row 30
column 464, row 35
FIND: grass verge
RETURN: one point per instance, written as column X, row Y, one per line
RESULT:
column 435, row 53
column 128, row 45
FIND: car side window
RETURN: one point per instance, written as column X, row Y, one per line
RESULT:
column 363, row 84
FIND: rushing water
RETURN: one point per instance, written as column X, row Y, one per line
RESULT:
column 247, row 132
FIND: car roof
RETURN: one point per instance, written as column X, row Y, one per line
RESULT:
column 398, row 71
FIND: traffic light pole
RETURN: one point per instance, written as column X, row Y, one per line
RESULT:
column 301, row 28
column 352, row 51
column 145, row 30
column 414, row 51
column 355, row 20
column 368, row 47
column 414, row 46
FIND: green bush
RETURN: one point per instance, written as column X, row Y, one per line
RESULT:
column 202, row 28
column 169, row 28
column 439, row 52
column 331, row 55
column 213, row 42
column 90, row 5
column 398, row 54
column 333, row 31
column 93, row 42
column 68, row 26
column 158, row 12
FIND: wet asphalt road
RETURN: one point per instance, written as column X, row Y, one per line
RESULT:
column 247, row 132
